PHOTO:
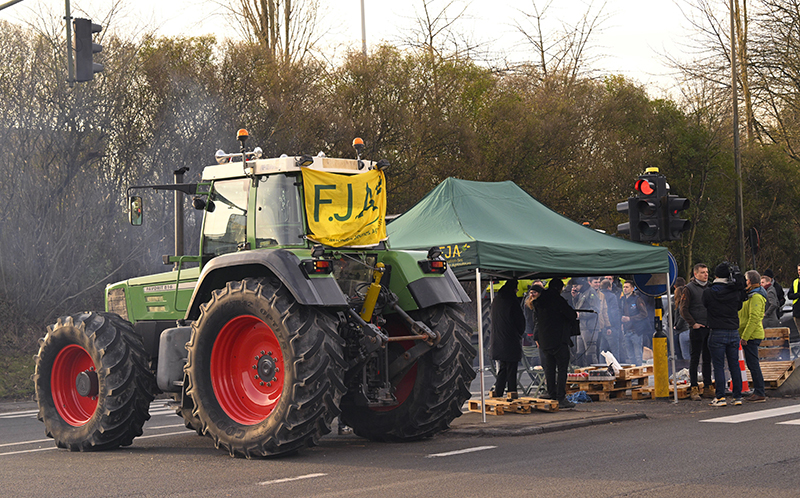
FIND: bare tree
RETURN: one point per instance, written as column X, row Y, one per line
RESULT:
column 565, row 50
column 285, row 29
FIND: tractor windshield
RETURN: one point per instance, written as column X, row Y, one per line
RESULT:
column 279, row 214
column 225, row 225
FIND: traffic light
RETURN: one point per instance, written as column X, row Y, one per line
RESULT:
column 674, row 225
column 85, row 49
column 632, row 226
column 651, row 187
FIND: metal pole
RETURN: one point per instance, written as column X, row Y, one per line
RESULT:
column 363, row 31
column 671, row 338
column 479, row 302
column 14, row 2
column 737, row 157
column 70, row 69
column 178, row 173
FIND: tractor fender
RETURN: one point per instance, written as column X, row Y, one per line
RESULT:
column 416, row 289
column 285, row 265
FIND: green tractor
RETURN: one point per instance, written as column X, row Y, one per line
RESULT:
column 272, row 330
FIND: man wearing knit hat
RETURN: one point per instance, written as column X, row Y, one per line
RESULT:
column 723, row 300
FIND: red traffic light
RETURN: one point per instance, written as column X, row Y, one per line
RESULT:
column 644, row 186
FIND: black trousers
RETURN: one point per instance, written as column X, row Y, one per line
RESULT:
column 506, row 376
column 555, row 363
column 698, row 343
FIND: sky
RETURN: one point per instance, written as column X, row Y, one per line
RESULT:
column 631, row 41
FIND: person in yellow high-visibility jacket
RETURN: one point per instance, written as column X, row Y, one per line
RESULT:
column 751, row 331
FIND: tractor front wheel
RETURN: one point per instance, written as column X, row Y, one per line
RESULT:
column 431, row 393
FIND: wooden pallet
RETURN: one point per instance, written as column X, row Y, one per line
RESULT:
column 524, row 405
column 608, row 385
column 635, row 372
column 775, row 345
column 648, row 392
column 775, row 373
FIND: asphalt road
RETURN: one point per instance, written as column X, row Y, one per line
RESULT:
column 691, row 451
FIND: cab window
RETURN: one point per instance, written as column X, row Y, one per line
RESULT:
column 225, row 225
column 279, row 213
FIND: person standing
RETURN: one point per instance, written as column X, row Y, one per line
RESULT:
column 694, row 312
column 530, row 316
column 612, row 340
column 794, row 295
column 633, row 317
column 593, row 324
column 508, row 324
column 552, row 336
column 778, row 290
column 772, row 308
column 723, row 300
column 679, row 325
column 751, row 332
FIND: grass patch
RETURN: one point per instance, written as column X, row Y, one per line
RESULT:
column 16, row 383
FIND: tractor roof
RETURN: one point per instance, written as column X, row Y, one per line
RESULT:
column 285, row 164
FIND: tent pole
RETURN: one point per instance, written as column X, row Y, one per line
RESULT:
column 671, row 338
column 479, row 302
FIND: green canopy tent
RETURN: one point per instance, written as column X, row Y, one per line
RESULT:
column 500, row 230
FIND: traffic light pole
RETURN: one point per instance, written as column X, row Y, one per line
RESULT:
column 68, row 17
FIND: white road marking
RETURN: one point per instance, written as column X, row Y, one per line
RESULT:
column 28, row 451
column 790, row 422
column 461, row 452
column 747, row 417
column 187, row 431
column 166, row 426
column 27, row 413
column 26, row 442
column 290, row 479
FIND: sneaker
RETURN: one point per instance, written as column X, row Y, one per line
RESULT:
column 737, row 402
column 709, row 393
column 755, row 398
column 544, row 396
column 695, row 394
column 345, row 430
column 718, row 402
column 564, row 404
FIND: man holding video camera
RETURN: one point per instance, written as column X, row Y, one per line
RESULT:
column 723, row 299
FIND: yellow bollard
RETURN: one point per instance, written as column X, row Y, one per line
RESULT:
column 660, row 356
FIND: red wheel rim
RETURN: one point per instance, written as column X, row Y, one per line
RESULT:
column 402, row 390
column 75, row 409
column 247, row 370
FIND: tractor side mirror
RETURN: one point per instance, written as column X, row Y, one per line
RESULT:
column 135, row 210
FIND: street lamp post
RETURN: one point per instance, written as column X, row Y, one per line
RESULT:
column 737, row 158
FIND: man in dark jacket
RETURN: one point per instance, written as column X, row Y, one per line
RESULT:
column 694, row 313
column 508, row 324
column 723, row 299
column 552, row 336
column 634, row 321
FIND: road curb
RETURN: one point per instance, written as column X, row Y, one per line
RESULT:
column 480, row 430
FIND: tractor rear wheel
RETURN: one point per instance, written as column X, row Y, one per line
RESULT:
column 264, row 372
column 431, row 393
column 92, row 382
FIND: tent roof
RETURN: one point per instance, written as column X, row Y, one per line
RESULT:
column 501, row 229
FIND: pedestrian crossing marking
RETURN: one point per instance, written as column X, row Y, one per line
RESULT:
column 757, row 415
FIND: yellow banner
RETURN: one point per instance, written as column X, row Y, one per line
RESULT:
column 345, row 210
